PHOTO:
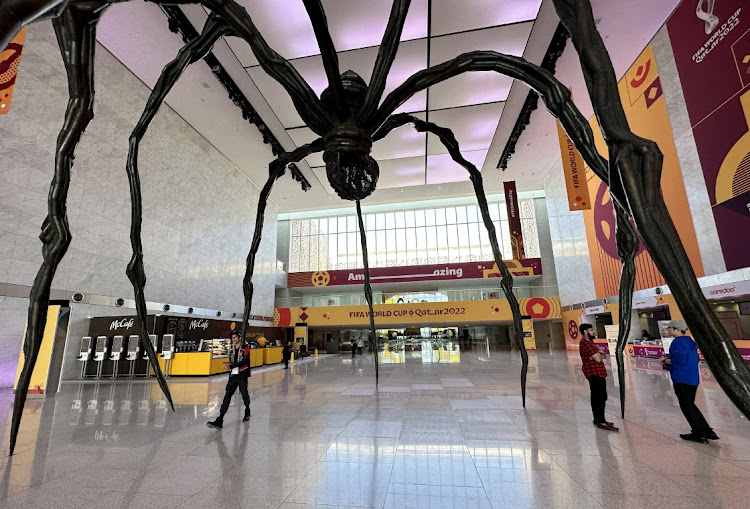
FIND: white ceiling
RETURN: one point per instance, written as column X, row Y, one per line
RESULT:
column 480, row 108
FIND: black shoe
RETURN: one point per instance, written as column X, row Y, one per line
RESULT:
column 692, row 437
column 247, row 416
column 710, row 435
column 217, row 424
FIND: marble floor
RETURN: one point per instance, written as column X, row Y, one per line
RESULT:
column 433, row 435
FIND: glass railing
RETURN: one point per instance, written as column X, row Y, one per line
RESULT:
column 447, row 295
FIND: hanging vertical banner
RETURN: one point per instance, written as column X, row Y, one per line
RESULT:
column 9, row 59
column 711, row 46
column 575, row 173
column 514, row 220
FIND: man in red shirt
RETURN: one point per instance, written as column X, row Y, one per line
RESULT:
column 596, row 373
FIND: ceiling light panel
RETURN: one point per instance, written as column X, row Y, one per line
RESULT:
column 442, row 169
column 449, row 16
column 286, row 26
column 405, row 172
column 476, row 87
column 473, row 126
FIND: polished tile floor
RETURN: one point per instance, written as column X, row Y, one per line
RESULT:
column 432, row 435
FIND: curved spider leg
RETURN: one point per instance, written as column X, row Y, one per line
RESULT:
column 76, row 36
column 555, row 95
column 16, row 14
column 330, row 58
column 309, row 107
column 190, row 53
column 368, row 289
column 386, row 55
column 449, row 142
column 639, row 163
column 276, row 169
column 627, row 247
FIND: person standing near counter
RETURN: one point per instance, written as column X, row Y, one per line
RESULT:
column 596, row 373
column 683, row 368
column 286, row 353
column 239, row 366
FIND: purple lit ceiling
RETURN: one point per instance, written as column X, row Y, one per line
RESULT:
column 470, row 105
column 481, row 108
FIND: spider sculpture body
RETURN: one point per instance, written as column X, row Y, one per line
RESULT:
column 349, row 117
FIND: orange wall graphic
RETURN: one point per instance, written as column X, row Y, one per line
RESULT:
column 646, row 110
column 9, row 60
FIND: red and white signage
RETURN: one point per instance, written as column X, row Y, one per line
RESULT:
column 438, row 272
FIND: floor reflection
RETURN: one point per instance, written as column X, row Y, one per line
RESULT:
column 438, row 431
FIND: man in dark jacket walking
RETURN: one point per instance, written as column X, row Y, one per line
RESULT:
column 239, row 366
column 683, row 367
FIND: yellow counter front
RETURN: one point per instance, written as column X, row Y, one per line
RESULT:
column 195, row 364
column 206, row 363
column 272, row 355
column 256, row 357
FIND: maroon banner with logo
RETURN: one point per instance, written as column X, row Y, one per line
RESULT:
column 438, row 272
column 514, row 220
column 711, row 46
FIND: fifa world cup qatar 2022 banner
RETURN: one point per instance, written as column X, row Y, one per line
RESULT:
column 711, row 46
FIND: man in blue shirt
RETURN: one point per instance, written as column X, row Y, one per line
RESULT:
column 683, row 366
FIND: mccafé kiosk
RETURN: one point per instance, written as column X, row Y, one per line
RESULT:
column 184, row 346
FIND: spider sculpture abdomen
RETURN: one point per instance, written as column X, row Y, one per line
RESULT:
column 350, row 169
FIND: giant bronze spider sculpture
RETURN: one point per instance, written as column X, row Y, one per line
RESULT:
column 349, row 116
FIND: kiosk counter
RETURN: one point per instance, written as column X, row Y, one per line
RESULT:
column 195, row 364
column 272, row 355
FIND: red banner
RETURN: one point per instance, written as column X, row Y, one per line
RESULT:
column 9, row 59
column 438, row 272
column 514, row 220
column 711, row 46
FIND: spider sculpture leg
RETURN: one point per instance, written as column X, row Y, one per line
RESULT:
column 627, row 247
column 76, row 35
column 368, row 288
column 449, row 142
column 190, row 53
column 308, row 105
column 15, row 14
column 638, row 163
column 275, row 170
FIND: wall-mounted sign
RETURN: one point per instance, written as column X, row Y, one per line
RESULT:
column 514, row 220
column 594, row 310
column 438, row 272
column 727, row 290
column 645, row 302
column 419, row 314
